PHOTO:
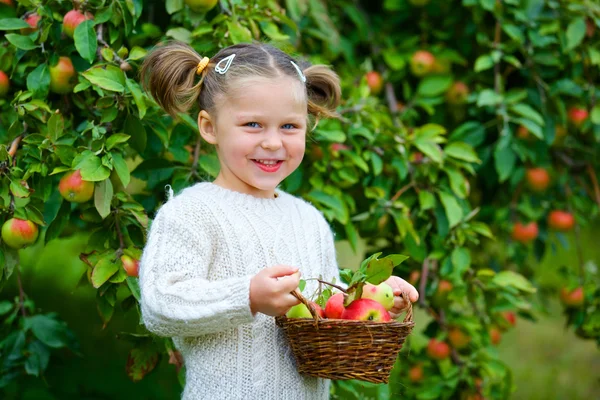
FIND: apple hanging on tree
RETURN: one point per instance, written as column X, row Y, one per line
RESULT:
column 18, row 233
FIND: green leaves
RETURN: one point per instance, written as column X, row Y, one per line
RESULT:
column 110, row 78
column 91, row 167
column 434, row 85
column 140, row 362
column 13, row 24
column 103, row 270
column 575, row 33
column 20, row 41
column 48, row 330
column 103, row 194
column 85, row 40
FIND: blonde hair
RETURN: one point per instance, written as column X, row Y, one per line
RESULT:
column 168, row 74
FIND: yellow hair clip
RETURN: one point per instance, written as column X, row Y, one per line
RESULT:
column 202, row 64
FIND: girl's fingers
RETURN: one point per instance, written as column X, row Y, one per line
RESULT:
column 413, row 295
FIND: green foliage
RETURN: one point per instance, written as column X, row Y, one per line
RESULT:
column 433, row 167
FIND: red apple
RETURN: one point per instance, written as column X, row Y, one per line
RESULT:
column 495, row 335
column 19, row 233
column 538, row 179
column 201, row 5
column 375, row 82
column 525, row 233
column 366, row 310
column 510, row 317
column 524, row 134
column 415, row 373
column 131, row 265
column 72, row 19
column 421, row 63
column 7, row 2
column 414, row 277
column 73, row 188
column 62, row 76
column 444, row 287
column 458, row 93
column 572, row 298
column 438, row 350
column 335, row 306
column 577, row 115
column 457, row 338
column 33, row 21
column 561, row 220
column 382, row 293
column 336, row 147
column 4, row 84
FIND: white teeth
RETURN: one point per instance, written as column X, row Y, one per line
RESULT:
column 268, row 162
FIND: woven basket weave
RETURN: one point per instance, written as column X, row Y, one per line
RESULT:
column 345, row 349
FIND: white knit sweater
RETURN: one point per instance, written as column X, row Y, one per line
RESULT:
column 203, row 248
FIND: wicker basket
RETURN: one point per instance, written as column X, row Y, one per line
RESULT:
column 345, row 349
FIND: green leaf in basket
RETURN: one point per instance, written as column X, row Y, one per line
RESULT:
column 302, row 285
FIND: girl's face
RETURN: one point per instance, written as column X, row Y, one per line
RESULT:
column 259, row 132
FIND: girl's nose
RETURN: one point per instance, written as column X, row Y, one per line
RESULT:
column 271, row 140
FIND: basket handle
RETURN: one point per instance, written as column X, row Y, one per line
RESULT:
column 407, row 318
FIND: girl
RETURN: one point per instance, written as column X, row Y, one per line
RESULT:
column 222, row 257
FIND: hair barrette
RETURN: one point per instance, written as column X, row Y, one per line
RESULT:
column 300, row 73
column 202, row 64
column 227, row 60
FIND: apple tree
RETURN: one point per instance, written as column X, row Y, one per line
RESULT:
column 467, row 140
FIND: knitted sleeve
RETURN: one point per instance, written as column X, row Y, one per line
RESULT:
column 176, row 297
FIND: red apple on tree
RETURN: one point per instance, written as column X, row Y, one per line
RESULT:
column 538, row 179
column 525, row 233
column 131, row 265
column 18, row 233
column 72, row 19
column 510, row 317
column 421, row 63
column 495, row 335
column 415, row 373
column 457, row 93
column 73, row 188
column 366, row 310
column 382, row 293
column 62, row 76
column 4, row 84
column 457, row 338
column 414, row 277
column 561, row 220
column 201, row 5
column 577, row 115
column 374, row 81
column 437, row 349
column 335, row 306
column 572, row 298
column 32, row 20
column 444, row 287
column 7, row 2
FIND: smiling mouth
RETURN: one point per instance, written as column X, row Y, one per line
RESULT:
column 268, row 165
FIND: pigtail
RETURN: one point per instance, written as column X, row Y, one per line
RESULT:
column 168, row 74
column 324, row 91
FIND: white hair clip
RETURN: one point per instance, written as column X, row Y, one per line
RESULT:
column 227, row 60
column 302, row 77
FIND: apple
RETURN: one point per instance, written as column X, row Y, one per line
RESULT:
column 374, row 81
column 302, row 311
column 414, row 277
column 72, row 19
column 7, row 2
column 444, row 287
column 523, row 133
column 32, row 20
column 570, row 298
column 366, row 310
column 561, row 220
column 437, row 349
column 590, row 28
column 336, row 147
column 577, row 115
column 510, row 317
column 201, row 5
column 525, row 233
column 538, row 179
column 335, row 306
column 62, row 76
column 18, row 233
column 131, row 265
column 457, row 338
column 4, row 84
column 495, row 335
column 415, row 373
column 421, row 63
column 382, row 293
column 457, row 93
column 73, row 188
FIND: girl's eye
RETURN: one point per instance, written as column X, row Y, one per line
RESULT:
column 252, row 125
column 289, row 126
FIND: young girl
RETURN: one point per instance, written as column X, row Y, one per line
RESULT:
column 221, row 257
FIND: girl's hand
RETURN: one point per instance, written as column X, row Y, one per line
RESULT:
column 399, row 285
column 270, row 290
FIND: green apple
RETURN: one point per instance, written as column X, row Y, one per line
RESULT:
column 382, row 293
